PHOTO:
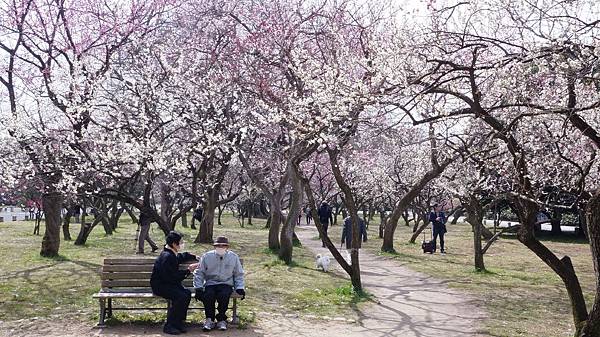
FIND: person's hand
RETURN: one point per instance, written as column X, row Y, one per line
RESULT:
column 192, row 267
column 241, row 292
column 199, row 294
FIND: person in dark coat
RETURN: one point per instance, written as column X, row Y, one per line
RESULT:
column 307, row 214
column 325, row 217
column 347, row 232
column 438, row 222
column 198, row 213
column 144, row 235
column 166, row 282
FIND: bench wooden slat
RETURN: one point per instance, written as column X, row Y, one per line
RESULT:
column 128, row 261
column 127, row 268
column 129, row 276
column 126, row 276
column 136, row 267
column 140, row 261
column 136, row 283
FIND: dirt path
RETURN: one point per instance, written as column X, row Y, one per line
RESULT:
column 409, row 303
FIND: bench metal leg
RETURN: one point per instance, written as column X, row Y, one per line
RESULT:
column 109, row 312
column 234, row 318
column 102, row 313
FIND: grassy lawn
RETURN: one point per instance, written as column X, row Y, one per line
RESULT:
column 33, row 286
column 522, row 295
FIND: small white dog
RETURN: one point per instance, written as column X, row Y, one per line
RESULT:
column 323, row 262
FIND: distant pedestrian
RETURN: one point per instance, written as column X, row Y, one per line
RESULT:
column 308, row 216
column 347, row 234
column 438, row 222
column 144, row 235
column 198, row 214
column 325, row 217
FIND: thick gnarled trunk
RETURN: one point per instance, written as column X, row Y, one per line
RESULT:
column 527, row 212
column 475, row 219
column 592, row 326
column 275, row 221
column 286, row 244
column 205, row 233
column 52, row 203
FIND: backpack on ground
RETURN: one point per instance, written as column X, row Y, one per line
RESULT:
column 428, row 246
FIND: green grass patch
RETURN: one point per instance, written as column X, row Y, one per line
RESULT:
column 317, row 300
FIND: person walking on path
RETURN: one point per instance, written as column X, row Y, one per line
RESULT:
column 219, row 273
column 166, row 281
column 347, row 234
column 438, row 221
column 145, row 233
column 307, row 215
column 325, row 217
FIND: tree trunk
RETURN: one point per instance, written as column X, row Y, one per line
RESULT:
column 85, row 230
column 405, row 218
column 592, row 327
column 205, row 234
column 65, row 225
column 276, row 220
column 220, row 214
column 166, row 205
column 250, row 209
column 392, row 223
column 418, row 232
column 352, row 208
column 457, row 214
column 418, row 219
column 475, row 218
column 184, row 220
column 382, row 217
column 527, row 212
column 132, row 215
column 52, row 203
column 486, row 233
column 286, row 244
column 555, row 222
column 108, row 229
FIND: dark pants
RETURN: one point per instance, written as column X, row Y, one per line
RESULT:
column 308, row 217
column 219, row 293
column 325, row 228
column 440, row 233
column 145, row 236
column 180, row 301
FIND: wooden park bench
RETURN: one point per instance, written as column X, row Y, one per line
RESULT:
column 130, row 279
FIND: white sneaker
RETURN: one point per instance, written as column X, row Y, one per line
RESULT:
column 208, row 325
column 222, row 325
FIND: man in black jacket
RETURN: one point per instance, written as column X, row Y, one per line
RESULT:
column 325, row 217
column 166, row 282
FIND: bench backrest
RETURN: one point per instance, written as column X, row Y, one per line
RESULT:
column 134, row 273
